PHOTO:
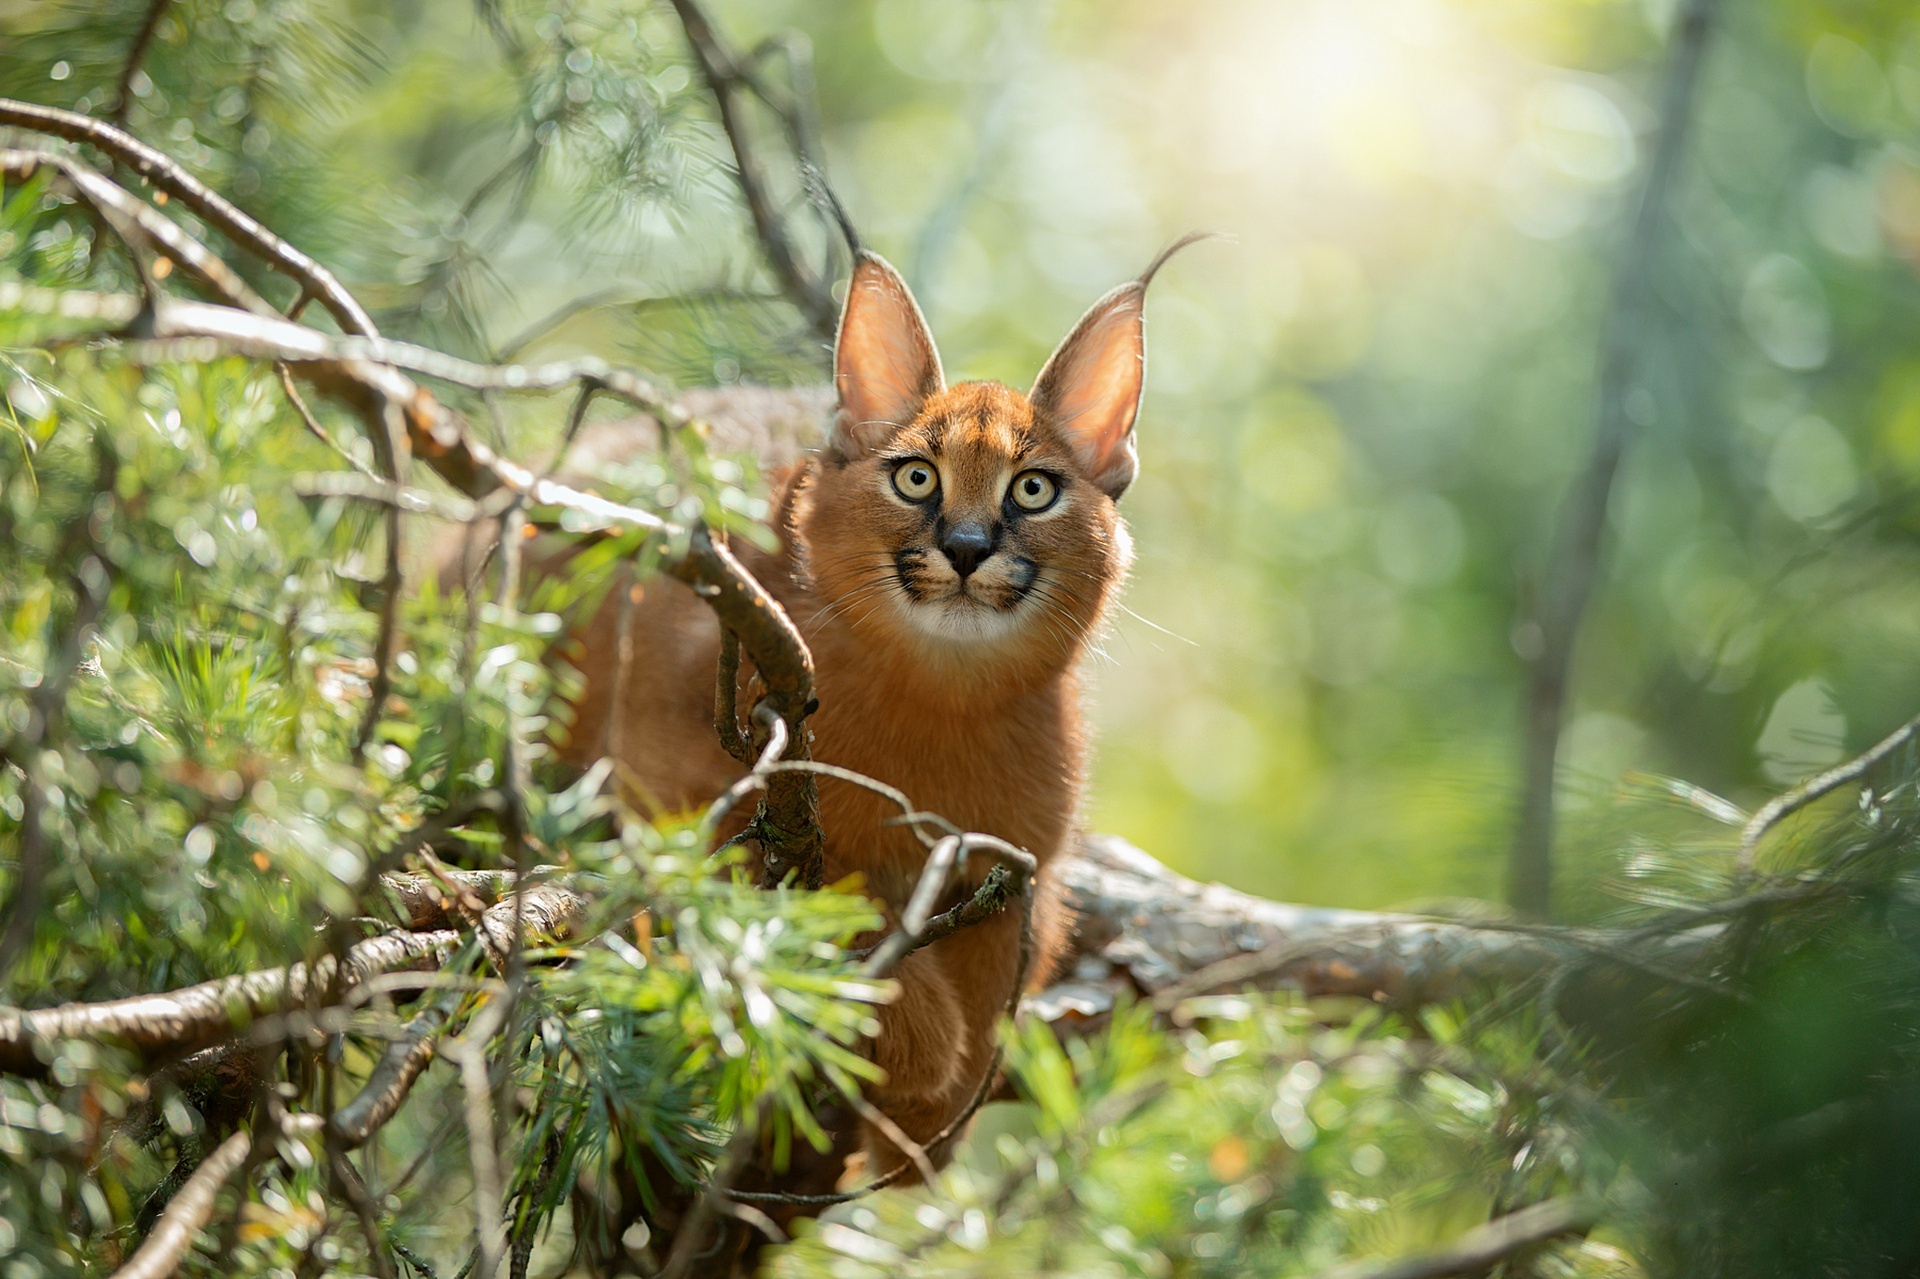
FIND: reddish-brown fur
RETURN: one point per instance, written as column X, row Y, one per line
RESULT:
column 963, row 692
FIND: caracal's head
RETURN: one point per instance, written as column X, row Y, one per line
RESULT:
column 971, row 522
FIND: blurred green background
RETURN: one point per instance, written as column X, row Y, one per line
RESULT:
column 1363, row 409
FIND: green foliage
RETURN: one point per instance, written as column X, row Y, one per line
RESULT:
column 195, row 761
column 1359, row 424
column 1267, row 1138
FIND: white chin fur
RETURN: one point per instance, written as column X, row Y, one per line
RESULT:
column 957, row 620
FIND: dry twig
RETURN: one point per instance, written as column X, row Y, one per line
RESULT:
column 1781, row 806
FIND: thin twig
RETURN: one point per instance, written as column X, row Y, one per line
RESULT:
column 1568, row 583
column 138, row 224
column 365, row 486
column 1019, row 863
column 393, row 1076
column 489, row 1211
column 393, row 461
column 1813, row 788
column 348, row 1183
column 726, row 79
column 136, row 54
column 312, row 423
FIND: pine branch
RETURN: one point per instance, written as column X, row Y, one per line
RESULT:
column 156, row 1027
column 1782, row 806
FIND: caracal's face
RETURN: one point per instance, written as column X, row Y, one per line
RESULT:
column 970, row 529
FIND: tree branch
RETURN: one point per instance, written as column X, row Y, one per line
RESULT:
column 169, row 176
column 1780, row 806
column 136, row 54
column 726, row 79
column 138, row 224
column 1567, row 584
column 365, row 373
column 179, row 1022
column 393, row 1076
column 1481, row 1249
column 186, row 1214
column 788, row 823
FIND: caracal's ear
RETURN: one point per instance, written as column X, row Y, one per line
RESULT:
column 1090, row 389
column 884, row 364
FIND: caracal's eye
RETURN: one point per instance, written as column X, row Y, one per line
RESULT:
column 1034, row 490
column 916, row 480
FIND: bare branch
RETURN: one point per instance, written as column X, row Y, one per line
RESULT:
column 393, row 1076
column 1481, row 1249
column 1015, row 875
column 138, row 224
column 393, row 462
column 916, row 1153
column 1814, row 787
column 423, row 899
column 1568, row 582
column 186, row 1215
column 788, row 823
column 364, row 486
column 142, row 41
column 168, row 175
column 727, row 79
column 489, row 1195
column 312, row 423
column 181, row 1021
column 348, row 1183
column 1141, row 927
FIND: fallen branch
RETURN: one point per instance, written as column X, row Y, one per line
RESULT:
column 1145, row 929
